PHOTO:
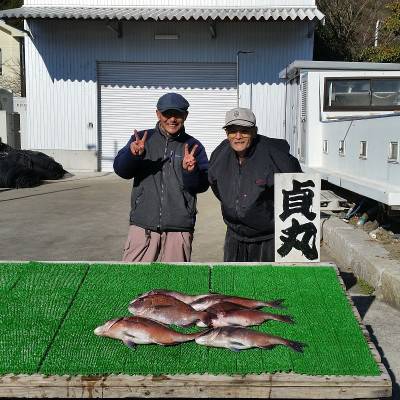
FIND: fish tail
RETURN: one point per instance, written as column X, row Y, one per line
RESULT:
column 296, row 346
column 285, row 318
column 276, row 304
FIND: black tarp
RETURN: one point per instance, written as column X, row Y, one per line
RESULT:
column 26, row 168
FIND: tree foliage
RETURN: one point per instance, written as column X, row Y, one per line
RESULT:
column 392, row 23
column 12, row 80
column 6, row 4
column 349, row 28
column 388, row 49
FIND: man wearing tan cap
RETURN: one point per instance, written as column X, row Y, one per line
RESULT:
column 241, row 175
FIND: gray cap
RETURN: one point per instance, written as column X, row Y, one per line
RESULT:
column 240, row 116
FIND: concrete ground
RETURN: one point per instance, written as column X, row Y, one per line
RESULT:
column 86, row 218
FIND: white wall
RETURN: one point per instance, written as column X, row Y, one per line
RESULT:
column 20, row 107
column 61, row 69
column 3, row 126
column 314, row 138
column 378, row 132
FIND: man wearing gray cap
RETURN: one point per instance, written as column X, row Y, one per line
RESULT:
column 241, row 175
column 168, row 167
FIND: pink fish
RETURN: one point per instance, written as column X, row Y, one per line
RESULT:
column 208, row 301
column 230, row 314
column 186, row 298
column 237, row 339
column 138, row 330
column 168, row 310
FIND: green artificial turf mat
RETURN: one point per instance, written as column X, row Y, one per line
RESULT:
column 105, row 294
column 51, row 310
column 9, row 276
column 324, row 321
column 34, row 301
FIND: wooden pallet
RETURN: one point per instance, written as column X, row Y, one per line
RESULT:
column 267, row 386
column 271, row 386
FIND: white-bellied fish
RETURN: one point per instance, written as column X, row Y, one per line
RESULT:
column 236, row 339
column 230, row 314
column 208, row 301
column 186, row 298
column 138, row 330
column 168, row 310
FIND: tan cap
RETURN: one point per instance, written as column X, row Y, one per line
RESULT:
column 240, row 116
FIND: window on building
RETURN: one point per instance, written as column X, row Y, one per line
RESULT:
column 342, row 148
column 393, row 152
column 363, row 149
column 376, row 94
column 325, row 146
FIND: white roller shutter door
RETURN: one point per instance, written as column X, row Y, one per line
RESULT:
column 128, row 94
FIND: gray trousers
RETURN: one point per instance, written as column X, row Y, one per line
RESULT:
column 236, row 250
column 144, row 245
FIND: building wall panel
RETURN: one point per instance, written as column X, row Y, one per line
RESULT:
column 135, row 87
column 61, row 69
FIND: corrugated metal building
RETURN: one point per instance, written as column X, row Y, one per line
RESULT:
column 94, row 72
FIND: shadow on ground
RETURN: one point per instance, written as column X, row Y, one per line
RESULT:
column 395, row 384
column 363, row 303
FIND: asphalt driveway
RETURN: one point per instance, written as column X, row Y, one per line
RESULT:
column 86, row 217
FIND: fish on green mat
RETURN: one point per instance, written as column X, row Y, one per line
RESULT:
column 186, row 298
column 201, row 302
column 138, row 330
column 237, row 338
column 230, row 314
column 168, row 310
column 214, row 298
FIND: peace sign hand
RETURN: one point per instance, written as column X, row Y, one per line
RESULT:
column 137, row 146
column 189, row 160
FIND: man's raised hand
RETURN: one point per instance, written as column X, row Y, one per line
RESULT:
column 137, row 146
column 189, row 160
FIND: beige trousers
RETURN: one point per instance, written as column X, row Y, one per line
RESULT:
column 144, row 245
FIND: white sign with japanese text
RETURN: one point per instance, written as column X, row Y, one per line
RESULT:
column 297, row 217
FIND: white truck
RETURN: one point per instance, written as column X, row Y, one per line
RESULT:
column 343, row 122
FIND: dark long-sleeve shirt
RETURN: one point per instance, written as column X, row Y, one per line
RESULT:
column 164, row 194
column 245, row 190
